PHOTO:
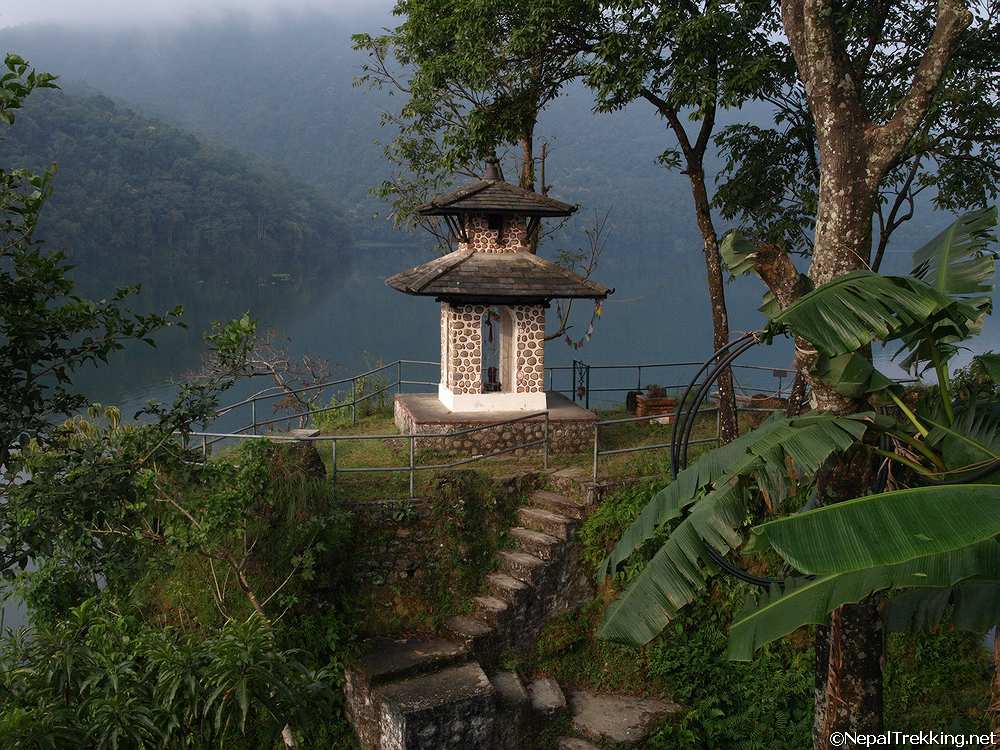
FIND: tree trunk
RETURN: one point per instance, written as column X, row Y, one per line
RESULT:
column 527, row 177
column 728, row 426
column 852, row 698
column 850, row 652
column 855, row 152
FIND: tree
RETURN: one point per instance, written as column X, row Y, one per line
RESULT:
column 771, row 176
column 688, row 61
column 94, row 508
column 857, row 147
column 476, row 76
column 47, row 332
column 927, row 520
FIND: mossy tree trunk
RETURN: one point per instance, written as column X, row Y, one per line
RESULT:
column 855, row 154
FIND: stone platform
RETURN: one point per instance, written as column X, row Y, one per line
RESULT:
column 571, row 427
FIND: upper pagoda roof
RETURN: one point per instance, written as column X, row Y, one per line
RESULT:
column 518, row 278
column 495, row 196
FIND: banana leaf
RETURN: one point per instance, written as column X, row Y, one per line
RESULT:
column 857, row 308
column 852, row 375
column 680, row 568
column 957, row 262
column 883, row 529
column 805, row 601
column 972, row 605
column 738, row 253
column 808, row 439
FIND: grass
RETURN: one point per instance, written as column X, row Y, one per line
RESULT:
column 386, row 453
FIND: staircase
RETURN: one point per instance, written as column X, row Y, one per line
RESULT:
column 538, row 576
column 445, row 693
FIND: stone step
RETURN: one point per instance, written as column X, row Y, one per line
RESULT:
column 547, row 697
column 519, row 565
column 490, row 609
column 537, row 543
column 478, row 637
column 574, row 743
column 513, row 711
column 538, row 519
column 387, row 660
column 619, row 719
column 560, row 504
column 506, row 587
column 451, row 708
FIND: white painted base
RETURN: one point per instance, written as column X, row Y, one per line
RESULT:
column 487, row 402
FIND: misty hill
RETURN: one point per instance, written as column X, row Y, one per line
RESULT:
column 139, row 200
column 284, row 90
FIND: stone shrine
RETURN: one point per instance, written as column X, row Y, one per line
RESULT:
column 493, row 291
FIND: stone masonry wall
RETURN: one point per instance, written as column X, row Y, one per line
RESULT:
column 530, row 333
column 512, row 237
column 465, row 356
column 462, row 347
column 565, row 436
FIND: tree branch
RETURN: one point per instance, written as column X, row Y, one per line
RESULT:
column 953, row 17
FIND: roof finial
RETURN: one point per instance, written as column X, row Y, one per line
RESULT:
column 493, row 169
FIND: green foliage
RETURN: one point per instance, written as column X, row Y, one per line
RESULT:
column 770, row 180
column 938, row 679
column 802, row 601
column 929, row 537
column 338, row 410
column 475, row 76
column 884, row 528
column 103, row 678
column 717, row 489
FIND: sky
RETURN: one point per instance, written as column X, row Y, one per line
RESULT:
column 124, row 13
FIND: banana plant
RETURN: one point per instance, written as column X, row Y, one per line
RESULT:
column 931, row 534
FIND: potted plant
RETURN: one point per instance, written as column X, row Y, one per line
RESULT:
column 655, row 400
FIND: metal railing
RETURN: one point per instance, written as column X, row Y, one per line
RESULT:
column 599, row 453
column 278, row 393
column 580, row 388
column 412, row 467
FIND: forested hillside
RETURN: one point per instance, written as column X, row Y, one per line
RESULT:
column 284, row 90
column 137, row 200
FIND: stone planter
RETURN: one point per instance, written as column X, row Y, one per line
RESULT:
column 651, row 406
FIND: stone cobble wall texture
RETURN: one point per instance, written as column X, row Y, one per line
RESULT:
column 565, row 436
column 512, row 237
column 530, row 333
column 399, row 539
column 462, row 347
column 465, row 356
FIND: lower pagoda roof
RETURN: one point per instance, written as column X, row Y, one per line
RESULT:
column 519, row 278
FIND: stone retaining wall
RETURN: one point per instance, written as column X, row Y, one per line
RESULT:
column 565, row 436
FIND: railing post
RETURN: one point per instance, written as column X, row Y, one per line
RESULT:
column 588, row 386
column 638, row 377
column 204, row 447
column 412, row 440
column 354, row 400
column 253, row 415
column 572, row 385
column 545, row 442
column 399, row 376
column 333, row 466
column 596, row 431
